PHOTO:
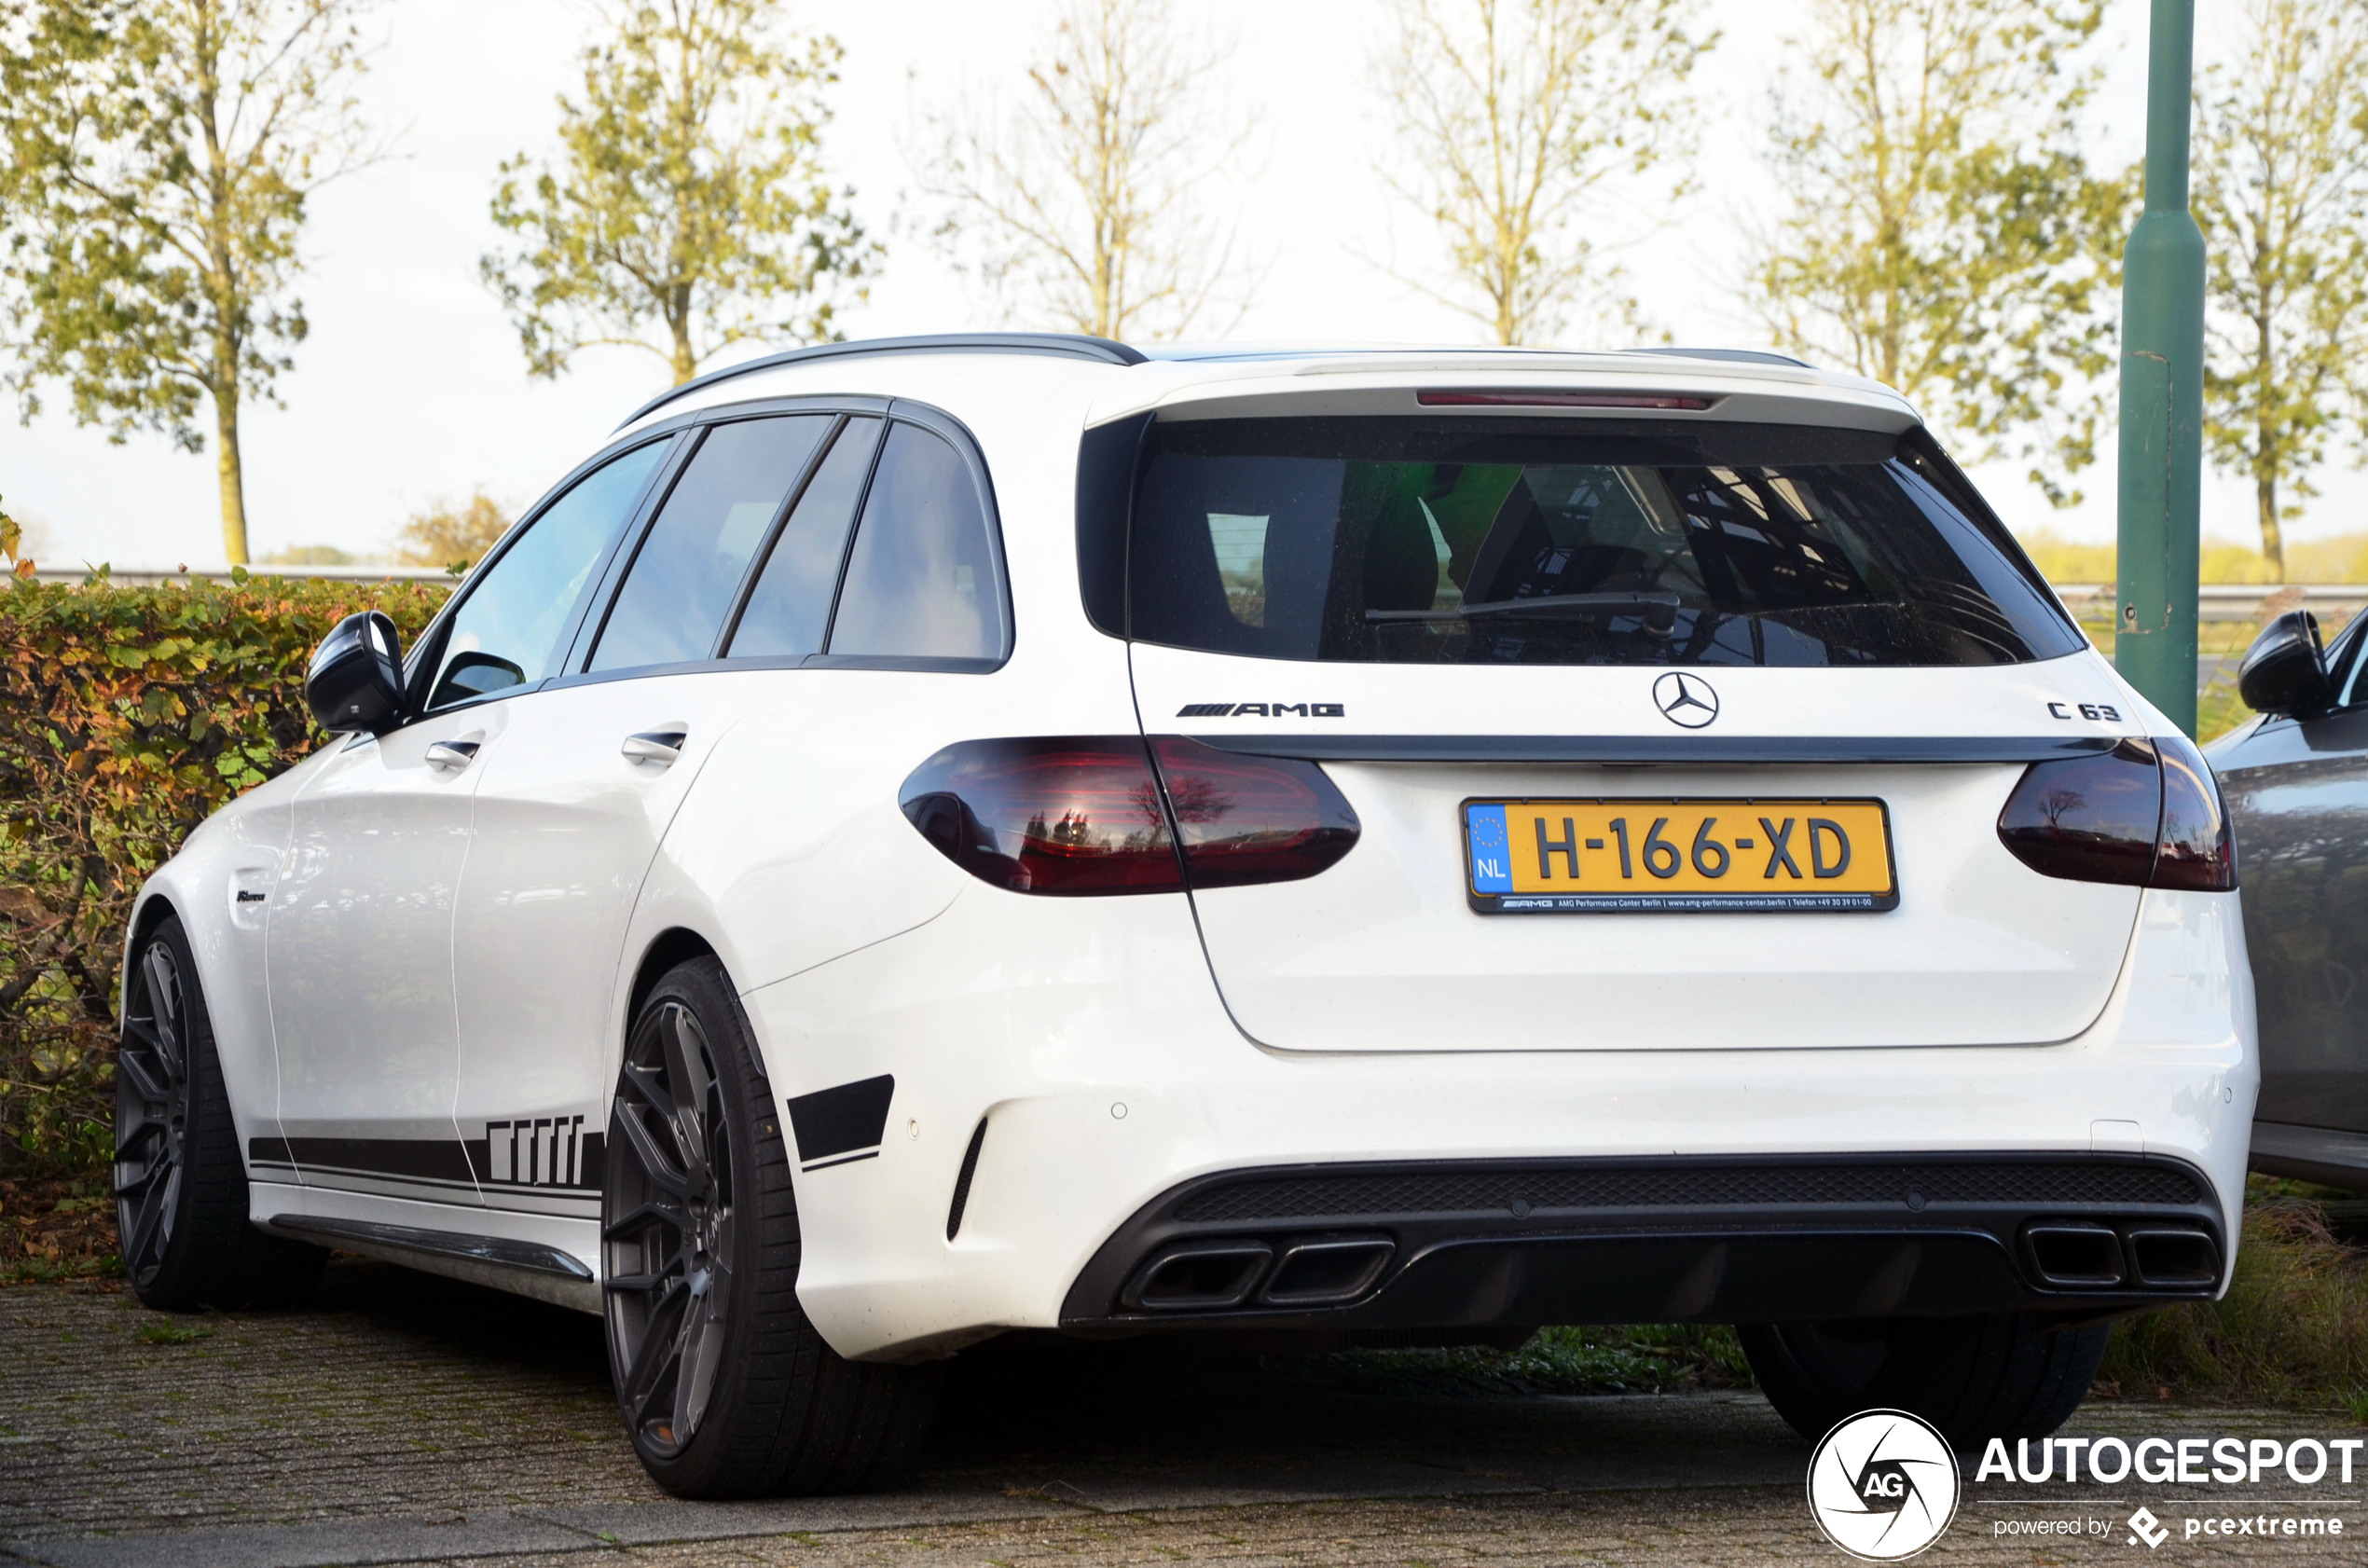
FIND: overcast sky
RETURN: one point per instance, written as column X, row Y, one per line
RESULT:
column 412, row 387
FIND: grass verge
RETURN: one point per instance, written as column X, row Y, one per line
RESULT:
column 2293, row 1328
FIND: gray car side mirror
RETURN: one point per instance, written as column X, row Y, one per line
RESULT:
column 2285, row 670
column 356, row 679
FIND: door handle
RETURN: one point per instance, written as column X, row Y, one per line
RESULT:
column 451, row 755
column 661, row 747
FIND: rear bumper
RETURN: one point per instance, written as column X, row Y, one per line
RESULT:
column 1088, row 1037
column 1451, row 1244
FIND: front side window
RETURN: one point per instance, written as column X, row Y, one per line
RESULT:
column 921, row 578
column 507, row 631
column 683, row 578
column 1408, row 541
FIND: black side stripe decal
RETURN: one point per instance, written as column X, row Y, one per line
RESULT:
column 833, row 1126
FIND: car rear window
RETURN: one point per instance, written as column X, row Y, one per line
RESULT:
column 1521, row 542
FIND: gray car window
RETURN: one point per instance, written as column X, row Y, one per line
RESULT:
column 921, row 580
column 507, row 632
column 791, row 605
column 682, row 583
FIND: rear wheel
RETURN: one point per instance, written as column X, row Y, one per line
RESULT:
column 180, row 1186
column 727, row 1389
column 2000, row 1375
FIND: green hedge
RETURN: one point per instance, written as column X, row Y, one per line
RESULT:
column 128, row 715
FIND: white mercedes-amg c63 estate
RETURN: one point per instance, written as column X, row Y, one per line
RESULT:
column 921, row 839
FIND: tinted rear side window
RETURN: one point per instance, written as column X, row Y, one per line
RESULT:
column 1410, row 542
column 922, row 579
column 681, row 581
column 790, row 608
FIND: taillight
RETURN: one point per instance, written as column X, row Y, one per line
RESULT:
column 1087, row 815
column 1245, row 819
column 2197, row 850
column 1057, row 815
column 2147, row 814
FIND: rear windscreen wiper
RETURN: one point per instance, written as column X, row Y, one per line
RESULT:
column 1659, row 610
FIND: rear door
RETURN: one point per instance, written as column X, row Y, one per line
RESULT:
column 1659, row 737
column 572, row 808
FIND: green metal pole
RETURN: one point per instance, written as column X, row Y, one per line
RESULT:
column 2162, row 392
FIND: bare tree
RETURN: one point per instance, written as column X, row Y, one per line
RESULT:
column 2281, row 191
column 1943, row 233
column 159, row 156
column 1078, row 203
column 1521, row 129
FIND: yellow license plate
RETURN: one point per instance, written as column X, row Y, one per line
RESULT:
column 1645, row 857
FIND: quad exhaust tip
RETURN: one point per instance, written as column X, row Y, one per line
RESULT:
column 2073, row 1255
column 1218, row 1275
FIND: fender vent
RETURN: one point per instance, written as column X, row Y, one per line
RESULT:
column 962, row 1182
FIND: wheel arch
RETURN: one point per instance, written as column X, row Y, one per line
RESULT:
column 676, row 944
column 155, row 907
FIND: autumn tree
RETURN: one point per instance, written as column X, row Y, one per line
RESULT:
column 453, row 535
column 1524, row 130
column 688, row 195
column 1078, row 202
column 2281, row 192
column 1943, row 231
column 161, row 155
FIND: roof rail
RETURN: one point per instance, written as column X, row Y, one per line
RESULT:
column 1738, row 356
column 1072, row 345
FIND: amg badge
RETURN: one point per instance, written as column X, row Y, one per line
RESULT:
column 1263, row 709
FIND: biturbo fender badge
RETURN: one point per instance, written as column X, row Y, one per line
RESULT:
column 1686, row 699
column 1261, row 711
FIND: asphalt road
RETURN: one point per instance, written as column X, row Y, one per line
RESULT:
column 405, row 1419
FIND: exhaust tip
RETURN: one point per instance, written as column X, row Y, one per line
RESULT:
column 1197, row 1276
column 2174, row 1259
column 1326, row 1271
column 2074, row 1256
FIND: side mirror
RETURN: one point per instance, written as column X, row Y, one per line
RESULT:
column 2285, row 670
column 356, row 679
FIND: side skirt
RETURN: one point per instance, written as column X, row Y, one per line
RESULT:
column 523, row 1268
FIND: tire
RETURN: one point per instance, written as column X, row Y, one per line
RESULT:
column 2000, row 1375
column 727, row 1389
column 180, row 1184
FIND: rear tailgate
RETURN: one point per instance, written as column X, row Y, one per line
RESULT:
column 1386, row 951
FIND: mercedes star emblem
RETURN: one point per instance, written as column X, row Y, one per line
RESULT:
column 1685, row 700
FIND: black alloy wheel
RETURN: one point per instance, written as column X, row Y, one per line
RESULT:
column 668, row 1253
column 181, row 1195
column 151, row 1111
column 727, row 1390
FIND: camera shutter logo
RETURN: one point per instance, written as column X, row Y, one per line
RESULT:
column 1883, row 1485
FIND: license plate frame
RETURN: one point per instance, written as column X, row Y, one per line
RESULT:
column 1790, row 876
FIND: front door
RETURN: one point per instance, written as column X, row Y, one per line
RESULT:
column 360, row 940
column 359, row 948
column 2298, row 797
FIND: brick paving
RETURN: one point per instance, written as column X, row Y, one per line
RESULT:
column 398, row 1412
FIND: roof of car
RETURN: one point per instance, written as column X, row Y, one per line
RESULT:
column 1228, row 361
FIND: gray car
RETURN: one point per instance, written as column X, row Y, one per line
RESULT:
column 2296, row 781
